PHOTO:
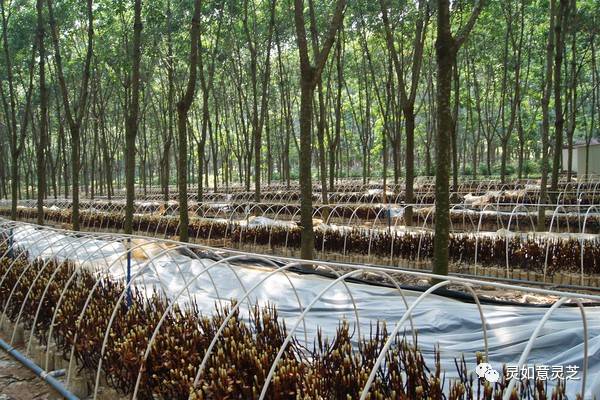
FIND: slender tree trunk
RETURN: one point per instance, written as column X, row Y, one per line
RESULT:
column 3, row 161
column 309, row 77
column 202, row 143
column 559, row 121
column 16, row 135
column 214, row 149
column 333, row 145
column 308, row 236
column 206, row 81
column 409, row 127
column 541, row 225
column 572, row 99
column 321, row 141
column 407, row 96
column 74, row 116
column 170, row 102
column 183, row 107
column 43, row 138
column 595, row 81
column 132, row 118
column 456, row 105
column 521, row 135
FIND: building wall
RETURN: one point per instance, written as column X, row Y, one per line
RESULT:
column 594, row 167
column 579, row 160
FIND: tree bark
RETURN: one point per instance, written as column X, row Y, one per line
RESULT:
column 309, row 77
column 74, row 116
column 335, row 142
column 446, row 47
column 132, row 118
column 408, row 96
column 572, row 95
column 595, row 80
column 183, row 107
column 547, row 89
column 445, row 59
column 170, row 102
column 206, row 81
column 43, row 137
column 559, row 120
column 16, row 135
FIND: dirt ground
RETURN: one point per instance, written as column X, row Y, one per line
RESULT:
column 19, row 383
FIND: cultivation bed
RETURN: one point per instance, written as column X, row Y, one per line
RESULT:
column 482, row 192
column 539, row 254
column 455, row 326
column 478, row 192
column 464, row 217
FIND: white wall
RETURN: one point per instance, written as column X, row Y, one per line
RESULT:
column 579, row 159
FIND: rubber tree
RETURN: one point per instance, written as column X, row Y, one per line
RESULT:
column 43, row 136
column 547, row 90
column 594, row 103
column 131, row 128
column 168, row 131
column 258, row 116
column 16, row 133
column 446, row 47
column 183, row 107
column 310, row 74
column 572, row 90
column 206, row 76
column 74, row 113
column 321, row 118
column 408, row 96
column 561, row 18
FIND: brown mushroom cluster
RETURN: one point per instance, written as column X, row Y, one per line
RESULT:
column 333, row 368
column 539, row 255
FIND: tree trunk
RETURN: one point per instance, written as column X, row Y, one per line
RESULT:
column 43, row 139
column 456, row 105
column 132, row 118
column 521, row 135
column 541, row 223
column 445, row 55
column 321, row 140
column 307, row 244
column 201, row 144
column 572, row 99
column 183, row 107
column 590, row 135
column 333, row 145
column 170, row 102
column 559, row 121
column 309, row 77
column 74, row 120
column 446, row 48
column 407, row 96
column 16, row 135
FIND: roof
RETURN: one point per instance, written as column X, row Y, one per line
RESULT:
column 582, row 143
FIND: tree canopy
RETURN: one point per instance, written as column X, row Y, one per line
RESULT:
column 524, row 82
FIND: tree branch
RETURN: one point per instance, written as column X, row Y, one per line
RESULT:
column 463, row 33
column 336, row 21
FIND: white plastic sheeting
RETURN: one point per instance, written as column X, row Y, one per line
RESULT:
column 254, row 222
column 453, row 325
